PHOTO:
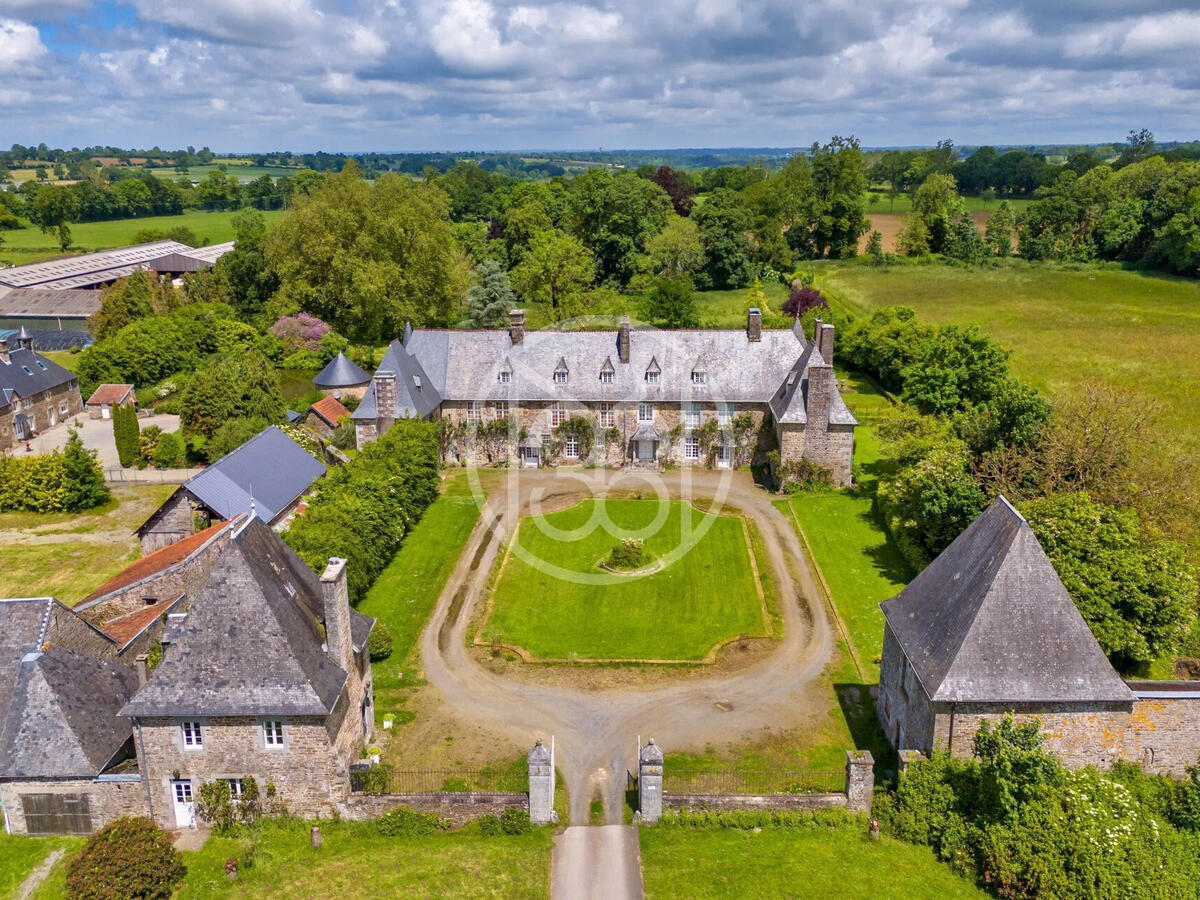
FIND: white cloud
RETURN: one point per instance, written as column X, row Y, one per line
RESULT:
column 20, row 45
column 254, row 22
column 1156, row 34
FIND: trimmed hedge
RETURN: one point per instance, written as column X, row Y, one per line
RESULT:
column 57, row 482
column 128, row 858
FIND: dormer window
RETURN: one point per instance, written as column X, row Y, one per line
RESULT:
column 651, row 377
column 698, row 377
column 606, row 377
column 504, row 377
column 560, row 372
column 417, row 382
column 652, row 371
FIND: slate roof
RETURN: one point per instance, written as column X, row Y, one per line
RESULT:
column 341, row 372
column 329, row 410
column 111, row 394
column 251, row 642
column 989, row 620
column 57, row 707
column 464, row 365
column 271, row 468
column 29, row 373
column 48, row 303
column 125, row 628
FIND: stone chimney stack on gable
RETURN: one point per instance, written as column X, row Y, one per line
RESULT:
column 516, row 326
column 384, row 383
column 754, row 324
column 821, row 387
column 143, row 668
column 817, row 332
column 825, row 342
column 336, row 594
column 623, row 339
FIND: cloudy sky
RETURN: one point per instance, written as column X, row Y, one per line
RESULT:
column 492, row 74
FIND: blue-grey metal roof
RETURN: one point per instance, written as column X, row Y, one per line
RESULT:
column 341, row 372
column 270, row 468
column 28, row 373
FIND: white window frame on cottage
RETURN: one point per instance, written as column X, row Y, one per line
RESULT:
column 558, row 414
column 645, row 412
column 501, row 409
column 474, row 411
column 724, row 414
column 571, row 447
column 607, row 415
column 651, row 376
column 62, row 408
column 560, row 377
column 691, row 447
column 691, row 415
column 698, row 377
column 606, row 377
column 236, row 789
column 192, row 734
column 504, row 376
column 273, row 735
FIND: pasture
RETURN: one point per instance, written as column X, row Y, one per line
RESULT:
column 552, row 600
column 26, row 245
column 241, row 170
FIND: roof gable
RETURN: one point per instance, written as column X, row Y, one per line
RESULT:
column 989, row 620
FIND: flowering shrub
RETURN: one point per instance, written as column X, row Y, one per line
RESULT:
column 300, row 332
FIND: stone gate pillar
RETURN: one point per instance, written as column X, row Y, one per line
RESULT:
column 650, row 782
column 541, row 785
column 860, row 780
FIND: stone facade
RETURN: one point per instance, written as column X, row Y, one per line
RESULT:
column 171, row 522
column 108, row 798
column 46, row 409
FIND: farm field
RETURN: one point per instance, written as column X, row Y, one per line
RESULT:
column 234, row 170
column 69, row 555
column 903, row 204
column 817, row 862
column 26, row 245
column 696, row 601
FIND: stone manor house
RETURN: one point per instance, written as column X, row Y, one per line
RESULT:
column 35, row 393
column 219, row 657
column 989, row 629
column 648, row 392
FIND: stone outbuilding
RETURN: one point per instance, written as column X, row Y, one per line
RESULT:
column 325, row 415
column 108, row 397
column 988, row 629
column 341, row 378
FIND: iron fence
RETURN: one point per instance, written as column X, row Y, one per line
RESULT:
column 383, row 779
column 744, row 781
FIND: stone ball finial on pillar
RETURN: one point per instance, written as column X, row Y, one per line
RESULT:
column 650, row 782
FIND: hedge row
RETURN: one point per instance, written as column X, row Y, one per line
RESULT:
column 58, row 482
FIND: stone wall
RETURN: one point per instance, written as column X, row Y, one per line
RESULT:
column 459, row 808
column 171, row 522
column 107, row 799
column 47, row 409
column 309, row 778
column 730, row 802
column 904, row 709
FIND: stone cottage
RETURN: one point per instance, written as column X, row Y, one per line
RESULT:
column 35, row 393
column 108, row 397
column 647, row 395
column 989, row 629
column 264, row 673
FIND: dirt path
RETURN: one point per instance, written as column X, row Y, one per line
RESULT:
column 596, row 731
column 596, row 863
column 38, row 875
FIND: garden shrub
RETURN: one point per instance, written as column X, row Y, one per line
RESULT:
column 749, row 819
column 130, row 857
column 489, row 826
column 515, row 821
column 69, row 481
column 379, row 645
column 375, row 780
column 168, row 451
column 404, row 821
column 627, row 555
column 126, row 434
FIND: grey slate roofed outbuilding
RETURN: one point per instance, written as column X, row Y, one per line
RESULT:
column 28, row 373
column 270, row 468
column 251, row 642
column 341, row 372
column 990, row 621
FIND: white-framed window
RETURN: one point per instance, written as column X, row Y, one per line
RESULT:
column 691, row 447
column 560, row 376
column 235, row 789
column 558, row 414
column 645, row 412
column 651, row 376
column 474, row 411
column 193, row 736
column 606, row 377
column 62, row 408
column 571, row 447
column 501, row 407
column 691, row 415
column 273, row 733
column 724, row 414
column 27, row 403
column 504, row 377
column 607, row 417
column 698, row 377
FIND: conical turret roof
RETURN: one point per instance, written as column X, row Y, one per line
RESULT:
column 341, row 372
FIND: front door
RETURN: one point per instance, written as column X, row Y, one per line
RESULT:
column 724, row 456
column 529, row 457
column 185, row 806
column 104, row 413
column 646, row 451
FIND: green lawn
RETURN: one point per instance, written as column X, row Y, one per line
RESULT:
column 903, row 203
column 233, row 170
column 20, row 855
column 699, row 599
column 405, row 593
column 818, row 862
column 25, row 245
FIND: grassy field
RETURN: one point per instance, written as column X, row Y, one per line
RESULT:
column 241, row 172
column 818, row 862
column 404, row 595
column 25, row 245
column 69, row 555
column 704, row 597
column 903, row 203
column 20, row 855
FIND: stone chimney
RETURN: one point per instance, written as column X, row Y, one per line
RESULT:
column 4, row 357
column 754, row 324
column 336, row 594
column 825, row 342
column 384, row 383
column 817, row 332
column 821, row 388
column 516, row 326
column 143, row 668
column 623, row 339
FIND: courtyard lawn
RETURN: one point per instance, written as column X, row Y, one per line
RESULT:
column 26, row 245
column 69, row 555
column 818, row 862
column 405, row 593
column 681, row 612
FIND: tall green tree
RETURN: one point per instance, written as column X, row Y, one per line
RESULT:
column 241, row 385
column 614, row 216
column 1001, row 226
column 490, row 297
column 725, row 225
column 54, row 207
column 670, row 303
column 125, row 434
column 676, row 251
column 556, row 270
column 83, row 481
column 243, row 270
column 839, row 178
column 124, row 301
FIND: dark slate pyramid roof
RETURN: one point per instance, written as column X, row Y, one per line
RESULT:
column 341, row 373
column 989, row 620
